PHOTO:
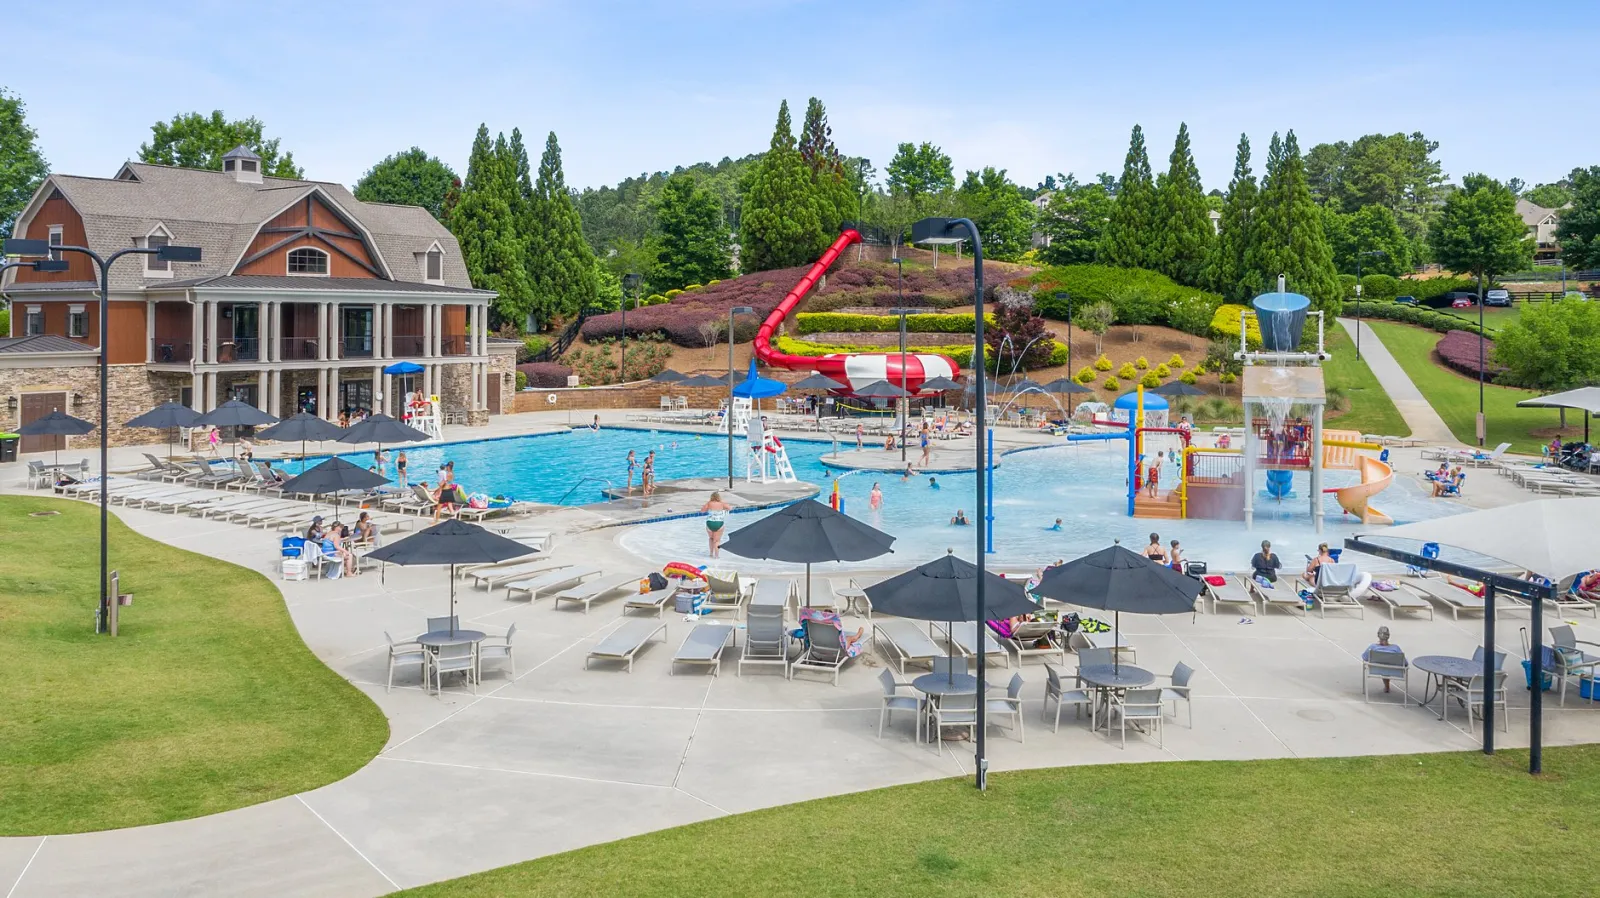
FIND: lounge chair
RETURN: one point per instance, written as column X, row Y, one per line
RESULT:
column 624, row 642
column 524, row 568
column 588, row 593
column 766, row 638
column 1399, row 600
column 656, row 600
column 1280, row 596
column 902, row 642
column 725, row 593
column 771, row 593
column 1082, row 640
column 1438, row 590
column 1032, row 638
column 561, row 577
column 824, row 650
column 1338, row 586
column 1488, row 459
column 1236, row 591
column 704, row 646
column 963, row 637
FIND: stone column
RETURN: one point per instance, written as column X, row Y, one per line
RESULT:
column 322, row 338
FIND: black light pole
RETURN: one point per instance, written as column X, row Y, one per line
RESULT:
column 16, row 247
column 1068, row 298
column 1482, row 426
column 948, row 230
column 1359, row 257
column 728, row 418
column 905, row 420
column 629, row 282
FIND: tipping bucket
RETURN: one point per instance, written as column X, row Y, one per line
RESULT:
column 1283, row 318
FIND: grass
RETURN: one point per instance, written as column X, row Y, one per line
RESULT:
column 1455, row 396
column 1406, row 825
column 1369, row 409
column 207, row 701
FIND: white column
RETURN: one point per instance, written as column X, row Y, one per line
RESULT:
column 211, row 388
column 262, row 320
column 438, row 329
column 269, row 335
column 335, row 335
column 322, row 337
column 212, row 313
column 149, row 331
column 197, row 338
column 377, row 388
column 427, row 330
column 483, row 330
column 264, row 391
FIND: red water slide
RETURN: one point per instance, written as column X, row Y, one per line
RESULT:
column 854, row 368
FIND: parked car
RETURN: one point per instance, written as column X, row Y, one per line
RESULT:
column 1406, row 300
column 1458, row 299
column 1497, row 298
column 1462, row 302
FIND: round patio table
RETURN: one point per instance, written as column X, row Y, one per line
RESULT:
column 945, row 684
column 854, row 596
column 1444, row 667
column 445, row 637
column 1107, row 678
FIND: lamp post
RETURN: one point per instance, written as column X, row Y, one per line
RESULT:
column 23, row 247
column 630, row 282
column 1068, row 298
column 1481, row 424
column 905, row 401
column 728, row 418
column 950, row 230
column 1359, row 257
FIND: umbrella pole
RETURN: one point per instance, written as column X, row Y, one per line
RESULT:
column 1116, row 640
column 808, row 584
column 452, row 600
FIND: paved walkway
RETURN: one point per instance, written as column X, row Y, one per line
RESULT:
column 1424, row 422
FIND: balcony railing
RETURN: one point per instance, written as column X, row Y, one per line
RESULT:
column 453, row 345
column 356, row 348
column 406, row 345
column 297, row 349
column 239, row 349
column 169, row 352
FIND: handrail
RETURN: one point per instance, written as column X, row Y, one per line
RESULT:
column 581, row 481
column 1188, row 462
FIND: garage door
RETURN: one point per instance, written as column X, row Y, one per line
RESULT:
column 36, row 406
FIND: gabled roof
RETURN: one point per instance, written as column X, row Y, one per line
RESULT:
column 219, row 214
column 269, row 282
column 42, row 343
column 1534, row 214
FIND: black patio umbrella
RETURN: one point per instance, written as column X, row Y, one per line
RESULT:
column 703, row 380
column 808, row 532
column 881, row 389
column 668, row 376
column 1179, row 388
column 302, row 426
column 1027, row 383
column 452, row 542
column 1115, row 579
column 818, row 382
column 380, row 429
column 166, row 416
column 235, row 414
column 1065, row 386
column 946, row 589
column 333, row 476
column 56, row 424
column 939, row 384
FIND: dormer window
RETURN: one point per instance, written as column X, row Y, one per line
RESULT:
column 154, row 267
column 308, row 262
column 435, row 265
column 56, row 239
column 227, row 165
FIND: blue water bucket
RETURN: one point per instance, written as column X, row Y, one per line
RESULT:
column 1282, row 317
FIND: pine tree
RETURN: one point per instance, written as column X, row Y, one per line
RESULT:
column 560, row 262
column 836, row 199
column 693, row 246
column 1225, row 263
column 1183, row 224
column 1286, row 234
column 492, row 245
column 780, row 225
column 1129, row 240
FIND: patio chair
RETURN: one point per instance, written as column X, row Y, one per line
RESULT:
column 1570, row 657
column 586, row 594
column 444, row 624
column 824, row 651
column 766, row 640
column 1234, row 592
column 1386, row 666
column 1178, row 689
column 703, row 646
column 1398, row 600
column 455, row 659
column 894, row 701
column 950, row 664
column 902, row 642
column 1092, row 658
column 1499, row 657
column 405, row 654
column 964, row 638
column 1010, row 706
column 1033, row 638
column 623, row 643
column 1053, row 692
column 954, row 711
column 724, row 592
column 1472, row 694
column 38, row 477
column 498, row 648
column 1140, row 705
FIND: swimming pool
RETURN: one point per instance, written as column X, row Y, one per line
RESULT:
column 1081, row 483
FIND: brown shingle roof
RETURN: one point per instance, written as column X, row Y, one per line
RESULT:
column 42, row 343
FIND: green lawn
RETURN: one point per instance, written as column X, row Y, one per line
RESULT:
column 1407, row 825
column 1455, row 396
column 207, row 701
column 1370, row 409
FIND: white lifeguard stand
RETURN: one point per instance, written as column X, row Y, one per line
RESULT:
column 740, row 417
column 422, row 412
column 768, row 462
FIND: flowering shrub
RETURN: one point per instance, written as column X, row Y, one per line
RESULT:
column 1127, row 371
column 1225, row 324
column 1459, row 350
column 544, row 374
column 1103, row 363
column 1111, row 384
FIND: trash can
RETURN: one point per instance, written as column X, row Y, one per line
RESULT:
column 8, row 446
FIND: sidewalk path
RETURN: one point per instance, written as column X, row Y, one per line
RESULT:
column 1424, row 422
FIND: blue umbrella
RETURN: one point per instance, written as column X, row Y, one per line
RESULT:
column 755, row 386
column 403, row 368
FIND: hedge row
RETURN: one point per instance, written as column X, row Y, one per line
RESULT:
column 840, row 322
column 1433, row 319
column 961, row 353
column 1138, row 295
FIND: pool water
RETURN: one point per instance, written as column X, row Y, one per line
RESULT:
column 1084, row 484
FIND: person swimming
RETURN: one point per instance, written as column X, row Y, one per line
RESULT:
column 1056, row 526
column 933, row 483
column 960, row 520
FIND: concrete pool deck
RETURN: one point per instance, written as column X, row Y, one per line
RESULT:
column 564, row 757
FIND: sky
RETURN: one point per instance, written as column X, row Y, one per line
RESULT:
column 1035, row 88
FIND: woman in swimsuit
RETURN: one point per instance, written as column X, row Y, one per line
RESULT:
column 875, row 502
column 400, row 468
column 716, row 512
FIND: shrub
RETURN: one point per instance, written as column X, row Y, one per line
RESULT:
column 545, row 374
column 1103, row 364
column 1141, row 363
column 1380, row 286
column 1058, row 355
column 1552, row 346
column 1127, row 372
column 840, row 322
column 1188, row 377
column 1175, row 362
column 1084, row 375
column 693, row 287
column 1111, row 384
column 522, row 381
column 1163, row 371
column 532, row 345
column 713, row 282
column 1139, row 296
column 1192, row 314
column 670, row 294
column 1150, row 380
column 1225, row 324
column 1227, row 377
column 1427, row 290
column 1441, row 320
column 1459, row 350
column 1198, row 370
column 654, row 299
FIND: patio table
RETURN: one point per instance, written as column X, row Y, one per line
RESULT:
column 937, row 684
column 445, row 637
column 853, row 596
column 1444, row 667
column 1109, row 678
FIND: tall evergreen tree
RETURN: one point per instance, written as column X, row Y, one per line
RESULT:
column 492, row 245
column 1225, row 263
column 693, row 246
column 1129, row 240
column 1183, row 223
column 780, row 225
column 560, row 261
column 1286, row 234
column 837, row 201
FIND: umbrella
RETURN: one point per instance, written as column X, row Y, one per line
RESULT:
column 939, row 384
column 1551, row 537
column 1065, row 386
column 403, row 368
column 808, row 532
column 754, row 386
column 1117, row 580
column 452, row 542
column 234, row 413
column 667, row 376
column 165, row 417
column 1179, row 388
column 947, row 589
column 818, row 382
column 56, row 424
column 1026, row 383
column 380, row 429
column 302, row 426
column 881, row 389
column 702, row 380
column 333, row 476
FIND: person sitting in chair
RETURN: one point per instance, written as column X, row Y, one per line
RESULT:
column 1314, row 564
column 1382, row 645
column 1265, row 565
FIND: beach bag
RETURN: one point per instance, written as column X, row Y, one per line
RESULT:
column 656, row 581
column 1264, row 583
column 1069, row 624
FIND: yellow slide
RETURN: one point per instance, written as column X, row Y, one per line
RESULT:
column 1375, row 478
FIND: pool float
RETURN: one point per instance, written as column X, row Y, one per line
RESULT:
column 683, row 569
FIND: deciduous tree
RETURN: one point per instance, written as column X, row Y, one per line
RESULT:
column 1579, row 227
column 693, row 246
column 22, row 166
column 1479, row 232
column 1074, row 220
column 1129, row 240
column 1551, row 346
column 193, row 140
column 1369, row 229
column 408, row 178
column 1183, row 223
column 919, row 171
column 1004, row 218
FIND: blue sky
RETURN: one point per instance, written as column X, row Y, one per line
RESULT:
column 628, row 87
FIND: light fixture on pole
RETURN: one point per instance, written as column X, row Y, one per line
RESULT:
column 1359, row 257
column 728, row 418
column 905, row 401
column 630, row 283
column 24, row 247
column 954, row 230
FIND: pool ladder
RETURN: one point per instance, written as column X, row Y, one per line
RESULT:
column 581, row 481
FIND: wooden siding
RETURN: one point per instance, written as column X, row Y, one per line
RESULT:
column 57, row 211
column 276, row 263
column 128, row 345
